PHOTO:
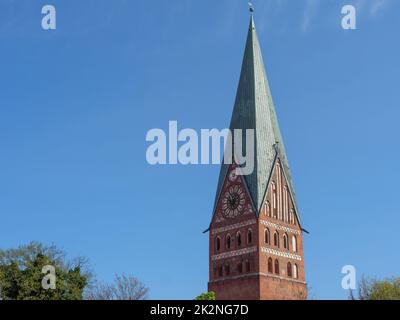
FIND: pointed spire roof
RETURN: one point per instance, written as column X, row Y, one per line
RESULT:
column 254, row 109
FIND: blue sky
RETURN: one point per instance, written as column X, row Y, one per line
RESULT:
column 76, row 104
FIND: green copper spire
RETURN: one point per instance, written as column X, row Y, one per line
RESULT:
column 254, row 109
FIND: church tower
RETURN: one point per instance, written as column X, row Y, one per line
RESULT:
column 256, row 245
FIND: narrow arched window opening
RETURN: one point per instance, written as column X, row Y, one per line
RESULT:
column 239, row 239
column 249, row 237
column 294, row 243
column 276, row 267
column 218, row 244
column 268, row 209
column 276, row 239
column 228, row 242
column 267, row 236
column 270, row 266
column 295, row 271
column 285, row 241
column 289, row 270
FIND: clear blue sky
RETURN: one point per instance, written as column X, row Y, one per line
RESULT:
column 76, row 104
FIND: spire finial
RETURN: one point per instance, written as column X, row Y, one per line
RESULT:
column 251, row 7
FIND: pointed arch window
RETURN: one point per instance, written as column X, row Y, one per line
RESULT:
column 276, row 266
column 294, row 243
column 249, row 236
column 268, row 208
column 295, row 271
column 270, row 266
column 289, row 270
column 291, row 216
column 228, row 241
column 276, row 239
column 239, row 239
column 286, row 241
column 267, row 236
column 218, row 244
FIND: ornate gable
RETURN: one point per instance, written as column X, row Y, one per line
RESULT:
column 234, row 202
column 278, row 201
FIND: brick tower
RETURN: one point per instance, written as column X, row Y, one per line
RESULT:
column 256, row 245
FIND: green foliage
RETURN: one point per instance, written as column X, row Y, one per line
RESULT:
column 206, row 296
column 373, row 289
column 21, row 274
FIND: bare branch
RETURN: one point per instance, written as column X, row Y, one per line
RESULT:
column 124, row 287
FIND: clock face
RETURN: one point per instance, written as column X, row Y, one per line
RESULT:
column 233, row 202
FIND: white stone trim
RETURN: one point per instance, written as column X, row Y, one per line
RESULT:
column 281, row 254
column 235, row 253
column 233, row 226
column 279, row 227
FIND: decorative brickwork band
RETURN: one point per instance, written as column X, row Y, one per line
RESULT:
column 233, row 253
column 234, row 226
column 279, row 227
column 281, row 254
